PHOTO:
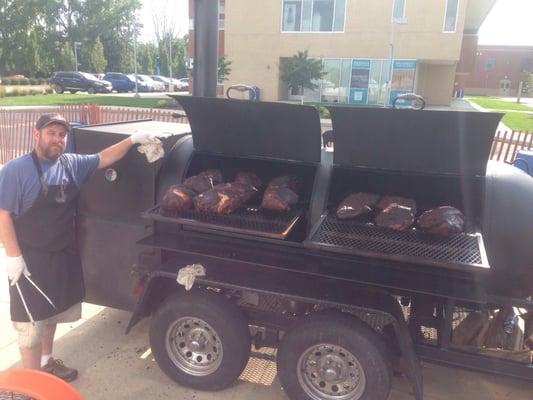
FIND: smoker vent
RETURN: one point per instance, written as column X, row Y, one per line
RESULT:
column 351, row 237
column 248, row 220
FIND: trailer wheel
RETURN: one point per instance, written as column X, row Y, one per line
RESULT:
column 200, row 340
column 333, row 356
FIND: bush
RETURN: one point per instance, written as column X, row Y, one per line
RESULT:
column 162, row 103
column 48, row 90
column 25, row 81
column 41, row 81
column 2, row 91
column 324, row 112
column 6, row 81
column 33, row 92
column 13, row 93
column 33, row 81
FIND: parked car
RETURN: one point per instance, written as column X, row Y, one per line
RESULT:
column 169, row 84
column 156, row 86
column 142, row 86
column 183, row 84
column 79, row 81
column 121, row 82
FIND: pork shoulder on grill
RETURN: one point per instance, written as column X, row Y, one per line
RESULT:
column 396, row 217
column 442, row 222
column 178, row 198
column 386, row 201
column 224, row 198
column 249, row 178
column 279, row 199
column 205, row 180
column 285, row 181
column 243, row 191
column 356, row 205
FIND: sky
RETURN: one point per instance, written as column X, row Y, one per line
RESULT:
column 509, row 22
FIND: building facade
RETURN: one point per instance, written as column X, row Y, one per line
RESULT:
column 493, row 70
column 356, row 41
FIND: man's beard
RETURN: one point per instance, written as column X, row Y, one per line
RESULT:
column 52, row 152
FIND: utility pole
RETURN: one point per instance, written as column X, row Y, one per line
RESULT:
column 394, row 21
column 76, row 44
column 170, row 85
column 136, row 25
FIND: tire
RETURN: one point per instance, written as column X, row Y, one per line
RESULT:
column 212, row 365
column 359, row 368
column 59, row 89
column 91, row 90
column 73, row 91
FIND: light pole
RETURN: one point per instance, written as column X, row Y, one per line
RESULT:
column 394, row 21
column 170, row 63
column 76, row 44
column 136, row 25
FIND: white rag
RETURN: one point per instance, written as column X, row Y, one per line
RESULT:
column 188, row 274
column 152, row 151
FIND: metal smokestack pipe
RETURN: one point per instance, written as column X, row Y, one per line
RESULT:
column 205, row 68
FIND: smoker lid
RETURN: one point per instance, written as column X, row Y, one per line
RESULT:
column 242, row 128
column 444, row 142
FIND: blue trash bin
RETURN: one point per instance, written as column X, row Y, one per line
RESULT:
column 524, row 161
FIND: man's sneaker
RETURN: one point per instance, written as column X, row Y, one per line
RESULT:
column 59, row 369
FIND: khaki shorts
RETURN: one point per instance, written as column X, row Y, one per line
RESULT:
column 29, row 334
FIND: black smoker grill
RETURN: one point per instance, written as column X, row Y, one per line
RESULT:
column 270, row 140
column 393, row 152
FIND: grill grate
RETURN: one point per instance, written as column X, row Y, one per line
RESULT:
column 248, row 220
column 351, row 237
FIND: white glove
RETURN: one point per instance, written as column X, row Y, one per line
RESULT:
column 16, row 266
column 146, row 137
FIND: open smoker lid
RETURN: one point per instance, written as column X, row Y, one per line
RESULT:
column 253, row 129
column 444, row 142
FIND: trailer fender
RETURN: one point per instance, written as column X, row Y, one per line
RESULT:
column 157, row 286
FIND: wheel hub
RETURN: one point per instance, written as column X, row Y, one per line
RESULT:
column 328, row 371
column 194, row 346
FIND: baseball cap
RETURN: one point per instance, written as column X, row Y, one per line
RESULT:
column 47, row 119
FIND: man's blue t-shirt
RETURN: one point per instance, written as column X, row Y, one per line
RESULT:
column 19, row 180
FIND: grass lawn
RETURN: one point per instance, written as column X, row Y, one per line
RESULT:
column 518, row 121
column 63, row 99
column 493, row 103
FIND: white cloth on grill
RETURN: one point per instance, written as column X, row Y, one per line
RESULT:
column 188, row 274
column 152, row 151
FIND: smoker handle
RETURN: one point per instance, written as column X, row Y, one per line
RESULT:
column 252, row 94
column 413, row 97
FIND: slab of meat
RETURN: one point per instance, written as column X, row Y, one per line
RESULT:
column 178, row 198
column 356, row 205
column 217, row 201
column 386, row 201
column 279, row 199
column 249, row 178
column 204, row 180
column 442, row 222
column 285, row 181
column 396, row 217
column 245, row 192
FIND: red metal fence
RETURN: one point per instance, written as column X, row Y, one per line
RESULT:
column 16, row 127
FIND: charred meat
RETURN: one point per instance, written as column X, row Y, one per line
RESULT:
column 285, row 181
column 204, row 180
column 356, row 205
column 279, row 199
column 386, row 201
column 396, row 217
column 178, row 198
column 249, row 178
column 442, row 222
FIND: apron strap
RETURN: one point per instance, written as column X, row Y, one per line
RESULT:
column 44, row 187
column 68, row 171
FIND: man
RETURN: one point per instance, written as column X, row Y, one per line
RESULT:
column 38, row 193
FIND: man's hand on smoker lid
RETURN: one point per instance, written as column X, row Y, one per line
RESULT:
column 16, row 266
column 146, row 137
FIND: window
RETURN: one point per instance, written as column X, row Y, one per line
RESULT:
column 313, row 15
column 398, row 9
column 450, row 17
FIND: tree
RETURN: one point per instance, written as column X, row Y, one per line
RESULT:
column 224, row 69
column 301, row 72
column 97, row 61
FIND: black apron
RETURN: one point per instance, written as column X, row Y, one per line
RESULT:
column 46, row 237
